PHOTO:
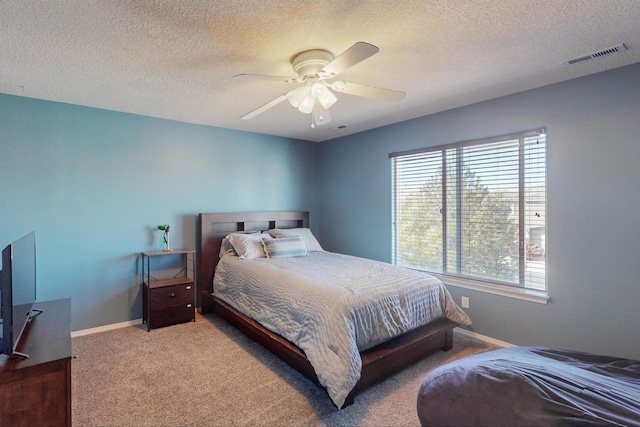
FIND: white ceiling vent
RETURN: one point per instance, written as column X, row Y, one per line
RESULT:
column 599, row 54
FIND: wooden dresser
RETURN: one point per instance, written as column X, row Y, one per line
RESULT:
column 36, row 391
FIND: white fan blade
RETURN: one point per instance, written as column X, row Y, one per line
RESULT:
column 265, row 77
column 350, row 57
column 368, row 91
column 264, row 108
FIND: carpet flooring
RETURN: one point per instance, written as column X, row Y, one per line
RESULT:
column 207, row 373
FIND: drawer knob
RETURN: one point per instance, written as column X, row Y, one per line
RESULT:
column 172, row 295
column 189, row 287
column 188, row 305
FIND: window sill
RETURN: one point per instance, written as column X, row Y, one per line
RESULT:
column 531, row 295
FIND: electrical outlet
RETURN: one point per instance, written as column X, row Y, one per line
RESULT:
column 464, row 301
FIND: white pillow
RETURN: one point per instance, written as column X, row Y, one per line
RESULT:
column 305, row 234
column 248, row 246
column 226, row 247
column 284, row 247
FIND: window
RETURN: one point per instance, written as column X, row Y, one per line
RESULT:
column 474, row 210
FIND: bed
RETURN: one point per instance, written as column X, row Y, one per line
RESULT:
column 375, row 361
column 532, row 386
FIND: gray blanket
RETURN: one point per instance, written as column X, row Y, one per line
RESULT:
column 532, row 386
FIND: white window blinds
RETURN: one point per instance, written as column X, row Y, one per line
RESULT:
column 474, row 209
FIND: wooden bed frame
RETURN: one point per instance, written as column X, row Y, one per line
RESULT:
column 377, row 363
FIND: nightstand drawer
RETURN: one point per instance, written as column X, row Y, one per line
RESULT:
column 171, row 295
column 170, row 315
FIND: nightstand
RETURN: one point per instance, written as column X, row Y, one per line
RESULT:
column 168, row 300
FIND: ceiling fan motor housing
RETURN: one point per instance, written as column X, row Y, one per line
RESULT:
column 310, row 62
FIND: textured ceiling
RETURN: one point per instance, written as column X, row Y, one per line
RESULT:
column 176, row 59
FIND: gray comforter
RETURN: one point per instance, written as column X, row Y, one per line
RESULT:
column 532, row 386
column 332, row 306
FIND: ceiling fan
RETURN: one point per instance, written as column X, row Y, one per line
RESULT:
column 316, row 71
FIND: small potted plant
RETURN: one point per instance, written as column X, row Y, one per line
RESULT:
column 165, row 228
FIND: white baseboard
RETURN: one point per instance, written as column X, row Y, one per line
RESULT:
column 484, row 338
column 135, row 322
column 105, row 328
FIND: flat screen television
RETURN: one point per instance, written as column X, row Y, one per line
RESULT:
column 18, row 291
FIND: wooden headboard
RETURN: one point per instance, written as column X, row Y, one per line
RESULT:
column 213, row 227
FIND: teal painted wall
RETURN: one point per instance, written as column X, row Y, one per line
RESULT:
column 593, row 126
column 94, row 184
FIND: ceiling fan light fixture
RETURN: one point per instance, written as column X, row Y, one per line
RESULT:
column 306, row 106
column 304, row 97
column 297, row 96
column 323, row 94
